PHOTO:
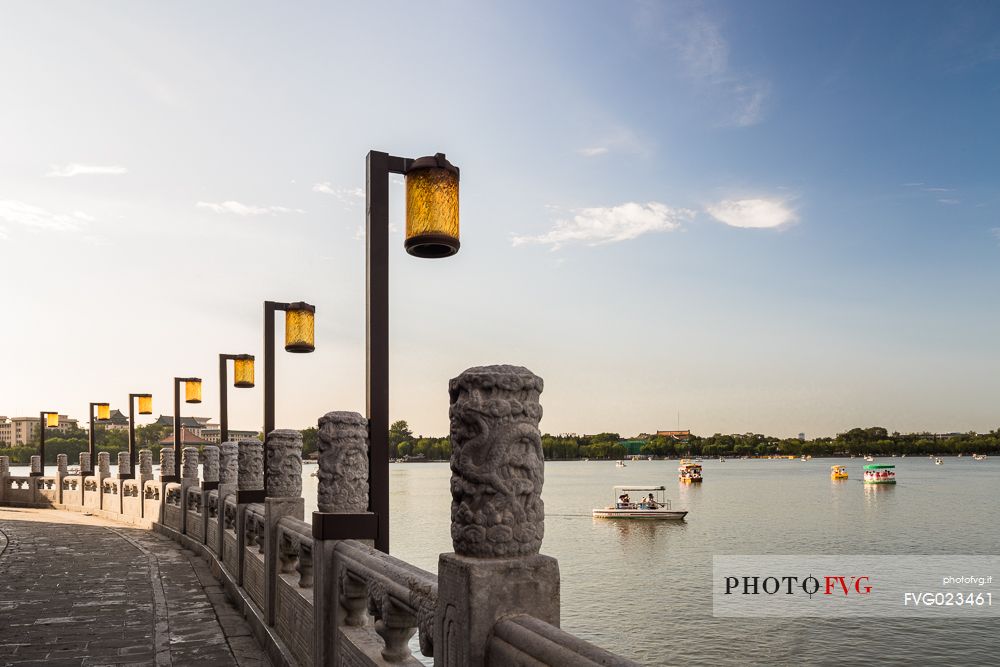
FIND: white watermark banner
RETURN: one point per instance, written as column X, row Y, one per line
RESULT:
column 835, row 586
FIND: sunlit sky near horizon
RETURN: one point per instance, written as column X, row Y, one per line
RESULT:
column 732, row 216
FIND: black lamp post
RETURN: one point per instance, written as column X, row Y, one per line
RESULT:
column 300, row 337
column 431, row 232
column 145, row 408
column 192, row 394
column 103, row 415
column 242, row 379
column 46, row 418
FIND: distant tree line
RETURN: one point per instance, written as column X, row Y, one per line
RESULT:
column 403, row 443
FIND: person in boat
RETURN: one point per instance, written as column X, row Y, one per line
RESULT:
column 651, row 503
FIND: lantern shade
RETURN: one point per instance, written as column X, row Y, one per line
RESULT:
column 243, row 371
column 432, row 208
column 103, row 412
column 300, row 335
column 145, row 405
column 52, row 420
column 192, row 391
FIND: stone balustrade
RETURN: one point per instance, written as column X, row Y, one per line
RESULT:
column 317, row 593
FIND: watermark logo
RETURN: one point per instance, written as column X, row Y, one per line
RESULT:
column 833, row 586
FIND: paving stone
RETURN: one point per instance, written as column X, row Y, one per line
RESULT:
column 75, row 593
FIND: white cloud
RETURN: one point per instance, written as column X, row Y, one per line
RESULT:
column 596, row 226
column 77, row 169
column 752, row 213
column 593, row 152
column 36, row 217
column 750, row 98
column 349, row 197
column 949, row 201
column 238, row 208
column 996, row 233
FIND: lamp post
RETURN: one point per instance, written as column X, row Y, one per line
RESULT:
column 300, row 337
column 192, row 394
column 242, row 379
column 103, row 415
column 431, row 233
column 145, row 408
column 46, row 418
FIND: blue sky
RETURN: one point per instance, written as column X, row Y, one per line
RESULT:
column 766, row 216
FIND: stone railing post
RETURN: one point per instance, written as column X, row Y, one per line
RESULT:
column 36, row 465
column 497, row 516
column 228, row 470
column 343, row 508
column 145, row 467
column 4, row 474
column 84, row 465
column 103, row 465
column 283, row 497
column 189, row 477
column 62, row 465
column 124, row 466
column 249, row 489
column 209, row 482
column 166, row 464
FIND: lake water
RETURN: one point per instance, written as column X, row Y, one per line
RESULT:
column 643, row 589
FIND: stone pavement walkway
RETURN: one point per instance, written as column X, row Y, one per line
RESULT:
column 78, row 590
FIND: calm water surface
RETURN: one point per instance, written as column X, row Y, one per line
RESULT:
column 644, row 589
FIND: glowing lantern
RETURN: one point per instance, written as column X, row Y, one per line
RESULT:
column 146, row 404
column 300, row 327
column 192, row 390
column 103, row 412
column 243, row 370
column 52, row 419
column 432, row 208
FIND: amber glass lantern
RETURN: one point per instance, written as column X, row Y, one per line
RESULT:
column 300, row 334
column 146, row 404
column 103, row 412
column 52, row 419
column 243, row 370
column 432, row 207
column 192, row 390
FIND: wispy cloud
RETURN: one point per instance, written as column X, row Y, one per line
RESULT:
column 596, row 226
column 697, row 42
column 36, row 217
column 938, row 189
column 996, row 233
column 77, row 169
column 949, row 201
column 349, row 197
column 238, row 208
column 593, row 151
column 752, row 213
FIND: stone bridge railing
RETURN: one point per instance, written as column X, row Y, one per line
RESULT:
column 318, row 593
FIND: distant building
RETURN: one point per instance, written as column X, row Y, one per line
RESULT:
column 117, row 422
column 632, row 447
column 20, row 431
column 683, row 436
column 194, row 424
column 214, row 434
column 187, row 438
column 802, row 437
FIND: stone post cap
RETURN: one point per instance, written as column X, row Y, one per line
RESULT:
column 4, row 465
column 210, row 463
column 343, row 417
column 250, row 461
column 145, row 462
column 342, row 442
column 104, row 463
column 189, row 462
column 228, row 462
column 284, row 464
column 486, row 382
column 124, row 463
column 36, row 463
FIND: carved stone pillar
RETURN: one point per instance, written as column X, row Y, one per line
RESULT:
column 36, row 465
column 4, row 473
column 497, row 516
column 228, row 471
column 166, row 463
column 124, row 465
column 145, row 464
column 342, row 496
column 84, row 464
column 210, row 464
column 62, row 465
column 250, row 488
column 283, row 497
column 189, row 463
column 103, row 465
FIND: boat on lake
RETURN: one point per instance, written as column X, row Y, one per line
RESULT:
column 653, row 506
column 938, row 462
column 880, row 473
column 689, row 471
column 619, row 464
column 838, row 472
column 979, row 457
column 869, row 458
